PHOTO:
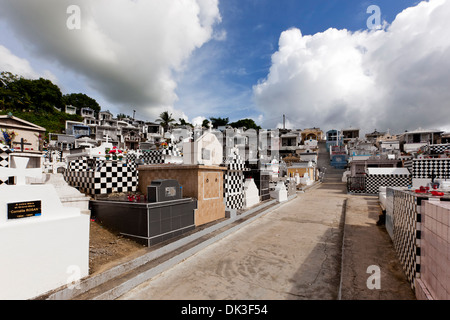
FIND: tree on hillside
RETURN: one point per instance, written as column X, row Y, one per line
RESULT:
column 247, row 123
column 6, row 78
column 18, row 93
column 206, row 123
column 218, row 122
column 184, row 123
column 7, row 96
column 46, row 94
column 165, row 119
column 81, row 100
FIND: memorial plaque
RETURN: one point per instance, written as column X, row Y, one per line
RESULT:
column 164, row 190
column 20, row 210
column 206, row 154
column 171, row 191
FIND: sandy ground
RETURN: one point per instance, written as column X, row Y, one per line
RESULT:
column 108, row 248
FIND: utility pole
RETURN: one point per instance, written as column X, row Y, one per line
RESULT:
column 284, row 121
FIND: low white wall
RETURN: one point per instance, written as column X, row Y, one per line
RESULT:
column 39, row 254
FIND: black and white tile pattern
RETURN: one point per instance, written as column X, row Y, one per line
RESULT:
column 234, row 182
column 94, row 177
column 172, row 150
column 405, row 214
column 4, row 161
column 439, row 148
column 152, row 157
column 425, row 168
column 375, row 181
column 234, row 189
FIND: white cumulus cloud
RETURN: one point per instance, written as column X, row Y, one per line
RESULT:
column 20, row 66
column 396, row 78
column 127, row 50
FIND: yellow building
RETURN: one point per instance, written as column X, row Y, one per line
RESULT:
column 312, row 134
column 303, row 168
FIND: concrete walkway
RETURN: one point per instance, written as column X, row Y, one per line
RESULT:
column 292, row 252
column 366, row 245
column 318, row 246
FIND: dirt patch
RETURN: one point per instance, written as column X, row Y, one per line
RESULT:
column 108, row 248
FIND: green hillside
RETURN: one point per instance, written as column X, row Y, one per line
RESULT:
column 38, row 101
column 53, row 122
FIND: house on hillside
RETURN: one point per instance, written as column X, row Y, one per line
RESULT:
column 333, row 138
column 312, row 134
column 412, row 141
column 349, row 134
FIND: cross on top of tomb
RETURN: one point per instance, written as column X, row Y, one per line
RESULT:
column 21, row 172
column 22, row 144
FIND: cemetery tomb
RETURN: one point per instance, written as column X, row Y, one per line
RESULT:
column 164, row 216
column 94, row 176
column 44, row 245
column 201, row 182
column 152, row 157
column 251, row 193
column 439, row 148
column 206, row 150
column 279, row 193
column 234, row 182
column 425, row 168
column 434, row 282
column 4, row 163
column 164, row 190
column 404, row 225
column 261, row 179
column 291, row 187
column 172, row 154
column 386, row 177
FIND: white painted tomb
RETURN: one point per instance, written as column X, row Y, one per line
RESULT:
column 275, row 168
column 206, row 150
column 305, row 180
column 382, row 197
column 43, row 245
column 297, row 178
column 251, row 193
column 69, row 196
column 311, row 143
column 445, row 185
column 280, row 192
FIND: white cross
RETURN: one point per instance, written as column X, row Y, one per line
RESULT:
column 21, row 172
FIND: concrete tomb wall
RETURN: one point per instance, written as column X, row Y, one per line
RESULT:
column 201, row 182
column 43, row 244
column 404, row 223
column 94, row 176
column 434, row 282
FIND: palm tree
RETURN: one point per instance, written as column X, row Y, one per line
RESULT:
column 165, row 119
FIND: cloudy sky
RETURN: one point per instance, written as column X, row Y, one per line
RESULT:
column 323, row 63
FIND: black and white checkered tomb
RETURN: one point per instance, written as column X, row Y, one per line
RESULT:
column 439, row 148
column 172, row 150
column 234, row 192
column 152, row 157
column 425, row 168
column 261, row 178
column 375, row 181
column 4, row 161
column 407, row 232
column 94, row 176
